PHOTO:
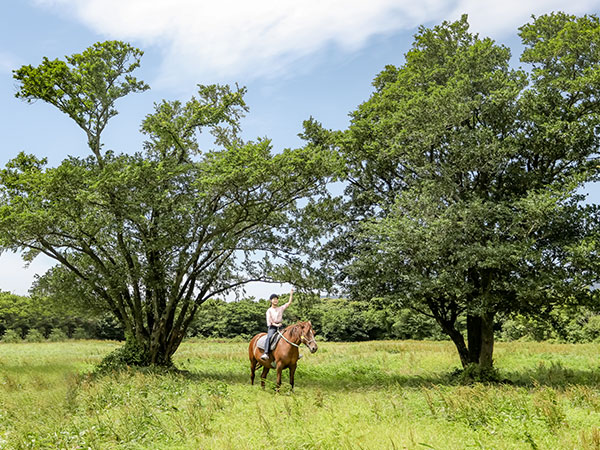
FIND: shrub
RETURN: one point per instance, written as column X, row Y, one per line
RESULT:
column 513, row 330
column 475, row 374
column 57, row 335
column 408, row 324
column 591, row 330
column 107, row 327
column 130, row 354
column 525, row 328
column 11, row 336
column 80, row 333
column 34, row 335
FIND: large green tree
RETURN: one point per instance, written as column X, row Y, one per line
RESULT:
column 153, row 234
column 463, row 177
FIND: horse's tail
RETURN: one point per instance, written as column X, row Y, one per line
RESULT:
column 251, row 346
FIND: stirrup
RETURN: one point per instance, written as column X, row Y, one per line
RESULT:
column 264, row 356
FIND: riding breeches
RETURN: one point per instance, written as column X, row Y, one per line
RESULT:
column 270, row 333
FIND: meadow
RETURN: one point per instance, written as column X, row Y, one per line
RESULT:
column 371, row 395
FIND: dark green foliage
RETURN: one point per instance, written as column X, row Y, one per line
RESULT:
column 46, row 314
column 474, row 373
column 34, row 335
column 16, row 312
column 57, row 335
column 217, row 318
column 80, row 333
column 332, row 319
column 150, row 236
column 343, row 320
column 463, row 179
column 105, row 327
column 11, row 336
column 562, row 324
column 409, row 324
column 129, row 354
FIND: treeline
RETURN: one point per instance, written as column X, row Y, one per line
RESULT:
column 346, row 320
column 36, row 319
column 333, row 319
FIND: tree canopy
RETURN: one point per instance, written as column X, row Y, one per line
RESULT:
column 151, row 235
column 463, row 177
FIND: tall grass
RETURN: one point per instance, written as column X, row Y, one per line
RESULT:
column 373, row 395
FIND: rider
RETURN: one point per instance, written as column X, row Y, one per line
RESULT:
column 274, row 319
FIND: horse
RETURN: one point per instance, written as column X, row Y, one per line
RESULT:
column 285, row 355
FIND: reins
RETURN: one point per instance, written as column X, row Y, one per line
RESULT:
column 302, row 338
column 286, row 340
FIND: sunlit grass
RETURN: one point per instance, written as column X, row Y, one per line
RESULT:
column 396, row 395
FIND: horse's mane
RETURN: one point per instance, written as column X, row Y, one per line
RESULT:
column 295, row 329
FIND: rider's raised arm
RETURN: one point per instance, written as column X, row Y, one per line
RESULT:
column 290, row 300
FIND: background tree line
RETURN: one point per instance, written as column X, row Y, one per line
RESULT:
column 24, row 314
column 335, row 319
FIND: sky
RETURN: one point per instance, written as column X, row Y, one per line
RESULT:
column 297, row 59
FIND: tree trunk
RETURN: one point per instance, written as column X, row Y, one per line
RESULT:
column 158, row 352
column 457, row 339
column 474, row 337
column 480, row 332
column 487, row 340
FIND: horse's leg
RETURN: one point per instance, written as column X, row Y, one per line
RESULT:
column 253, row 364
column 263, row 376
column 252, row 357
column 292, row 372
column 279, row 370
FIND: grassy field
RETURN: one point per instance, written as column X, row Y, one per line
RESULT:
column 373, row 395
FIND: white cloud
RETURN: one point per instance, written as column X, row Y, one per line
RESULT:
column 250, row 38
column 232, row 38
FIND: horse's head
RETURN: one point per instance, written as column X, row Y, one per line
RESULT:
column 308, row 337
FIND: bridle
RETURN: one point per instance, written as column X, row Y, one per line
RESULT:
column 306, row 341
column 302, row 339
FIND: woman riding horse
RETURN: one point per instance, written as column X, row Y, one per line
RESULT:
column 285, row 355
column 274, row 319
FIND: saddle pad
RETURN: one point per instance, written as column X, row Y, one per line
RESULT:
column 261, row 341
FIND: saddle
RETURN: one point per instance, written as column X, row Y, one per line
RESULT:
column 274, row 340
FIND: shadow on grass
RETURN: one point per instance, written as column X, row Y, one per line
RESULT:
column 327, row 383
column 353, row 378
column 555, row 375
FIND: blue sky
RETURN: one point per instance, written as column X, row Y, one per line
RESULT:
column 311, row 58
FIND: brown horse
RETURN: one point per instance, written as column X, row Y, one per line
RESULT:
column 285, row 355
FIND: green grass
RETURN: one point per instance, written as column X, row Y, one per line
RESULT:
column 396, row 395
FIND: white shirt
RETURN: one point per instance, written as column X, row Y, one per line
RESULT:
column 275, row 314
